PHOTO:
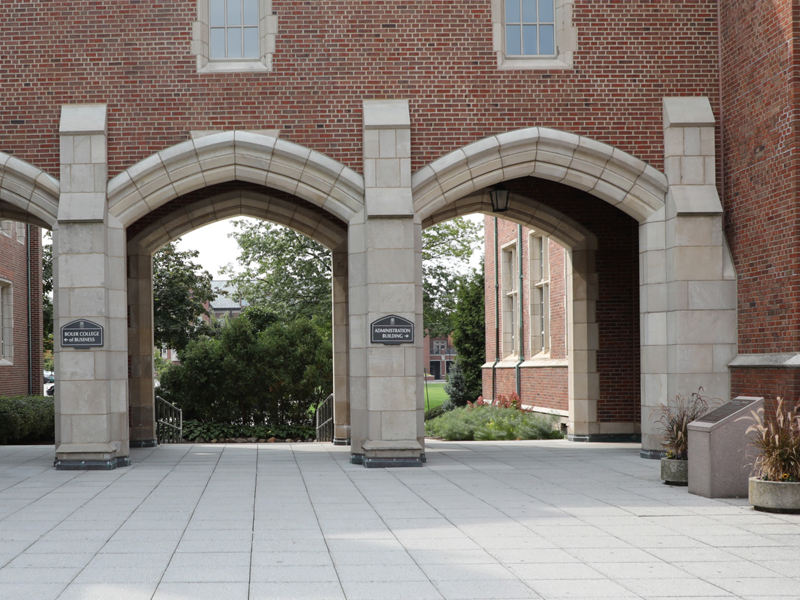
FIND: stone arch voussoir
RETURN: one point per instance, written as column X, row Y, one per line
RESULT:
column 235, row 156
column 27, row 193
column 606, row 172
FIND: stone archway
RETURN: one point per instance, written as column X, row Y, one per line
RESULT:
column 582, row 286
column 193, row 211
column 27, row 194
column 687, row 284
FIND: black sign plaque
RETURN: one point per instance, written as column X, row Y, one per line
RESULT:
column 726, row 410
column 81, row 334
column 392, row 330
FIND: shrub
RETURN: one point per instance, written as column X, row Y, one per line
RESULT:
column 436, row 411
column 27, row 419
column 193, row 430
column 482, row 422
column 456, row 386
column 777, row 440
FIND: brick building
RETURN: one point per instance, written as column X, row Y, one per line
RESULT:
column 20, row 309
column 642, row 137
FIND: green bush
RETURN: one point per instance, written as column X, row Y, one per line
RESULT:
column 193, row 430
column 243, row 376
column 27, row 419
column 436, row 411
column 493, row 423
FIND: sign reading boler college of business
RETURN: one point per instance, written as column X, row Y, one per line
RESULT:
column 81, row 334
column 392, row 330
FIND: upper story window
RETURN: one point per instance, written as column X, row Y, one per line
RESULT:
column 20, row 232
column 234, row 36
column 530, row 28
column 510, row 301
column 6, row 227
column 533, row 34
column 6, row 323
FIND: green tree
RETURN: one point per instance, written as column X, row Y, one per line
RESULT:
column 446, row 251
column 456, row 386
column 469, row 332
column 289, row 274
column 285, row 272
column 180, row 289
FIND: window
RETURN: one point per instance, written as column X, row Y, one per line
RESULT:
column 6, row 323
column 510, row 300
column 533, row 34
column 540, row 294
column 439, row 346
column 234, row 35
column 530, row 28
column 21, row 233
column 6, row 227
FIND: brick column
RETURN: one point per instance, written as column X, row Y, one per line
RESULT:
column 691, row 317
column 341, row 383
column 89, row 265
column 385, row 278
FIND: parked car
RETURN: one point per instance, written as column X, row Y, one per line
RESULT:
column 51, row 391
column 49, row 377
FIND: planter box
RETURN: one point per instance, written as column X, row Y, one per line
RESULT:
column 775, row 496
column 675, row 472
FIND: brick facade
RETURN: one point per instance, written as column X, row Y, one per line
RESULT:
column 13, row 269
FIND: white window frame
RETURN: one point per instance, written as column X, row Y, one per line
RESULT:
column 510, row 299
column 566, row 40
column 439, row 346
column 6, row 323
column 539, row 277
column 21, row 232
column 201, row 35
column 6, row 227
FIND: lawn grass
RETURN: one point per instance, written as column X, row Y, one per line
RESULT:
column 434, row 394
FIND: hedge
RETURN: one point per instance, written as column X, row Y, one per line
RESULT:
column 27, row 419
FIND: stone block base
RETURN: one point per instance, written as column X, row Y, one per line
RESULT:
column 91, row 465
column 383, row 463
column 341, row 441
column 609, row 438
column 651, row 454
column 143, row 443
column 397, row 453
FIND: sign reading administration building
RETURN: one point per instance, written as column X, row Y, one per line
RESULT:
column 81, row 334
column 392, row 330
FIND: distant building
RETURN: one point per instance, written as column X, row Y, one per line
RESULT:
column 20, row 309
column 225, row 303
column 439, row 356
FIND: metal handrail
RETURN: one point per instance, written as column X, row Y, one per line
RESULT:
column 169, row 422
column 324, row 417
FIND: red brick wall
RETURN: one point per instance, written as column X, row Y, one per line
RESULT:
column 617, row 258
column 331, row 55
column 13, row 267
column 762, row 213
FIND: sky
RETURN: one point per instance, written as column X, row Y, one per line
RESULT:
column 217, row 249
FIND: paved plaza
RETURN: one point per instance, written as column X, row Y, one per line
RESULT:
column 506, row 520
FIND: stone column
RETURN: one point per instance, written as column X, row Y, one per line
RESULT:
column 341, row 383
column 140, row 348
column 385, row 276
column 92, row 388
column 584, row 381
column 695, row 327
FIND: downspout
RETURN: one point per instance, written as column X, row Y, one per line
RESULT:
column 521, row 313
column 30, row 332
column 496, row 315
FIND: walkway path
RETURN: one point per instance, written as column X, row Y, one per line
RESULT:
column 482, row 520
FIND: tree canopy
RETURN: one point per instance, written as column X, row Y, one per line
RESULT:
column 180, row 289
column 469, row 332
column 289, row 274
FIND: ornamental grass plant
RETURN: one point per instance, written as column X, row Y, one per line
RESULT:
column 674, row 420
column 777, row 440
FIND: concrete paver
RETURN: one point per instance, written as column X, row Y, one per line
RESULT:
column 548, row 519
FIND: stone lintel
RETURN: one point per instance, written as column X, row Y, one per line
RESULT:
column 82, row 207
column 386, row 114
column 688, row 112
column 83, row 119
column 389, row 203
column 780, row 360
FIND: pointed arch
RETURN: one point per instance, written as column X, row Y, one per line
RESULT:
column 581, row 162
column 235, row 156
column 27, row 193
